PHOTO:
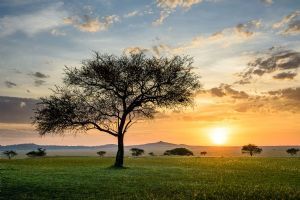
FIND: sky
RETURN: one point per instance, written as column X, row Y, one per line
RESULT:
column 246, row 52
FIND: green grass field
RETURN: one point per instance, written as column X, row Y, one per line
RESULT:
column 150, row 178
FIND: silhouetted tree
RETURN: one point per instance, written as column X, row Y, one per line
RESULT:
column 203, row 153
column 136, row 151
column 292, row 151
column 39, row 153
column 251, row 149
column 10, row 154
column 151, row 154
column 179, row 152
column 108, row 93
column 101, row 153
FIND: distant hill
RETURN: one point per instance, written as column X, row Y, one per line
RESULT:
column 158, row 148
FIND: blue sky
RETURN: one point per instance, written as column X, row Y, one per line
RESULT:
column 38, row 38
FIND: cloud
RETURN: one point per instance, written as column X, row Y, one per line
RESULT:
column 40, row 75
column 293, row 28
column 38, row 83
column 227, row 90
column 33, row 23
column 273, row 60
column 172, row 4
column 224, row 38
column 169, row 6
column 57, row 32
column 285, row 75
column 131, row 14
column 16, row 110
column 134, row 50
column 86, row 23
column 268, row 2
column 287, row 93
column 10, row 84
column 289, row 24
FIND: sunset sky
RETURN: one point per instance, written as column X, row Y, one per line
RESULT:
column 246, row 52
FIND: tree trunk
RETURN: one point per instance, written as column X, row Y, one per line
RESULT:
column 120, row 154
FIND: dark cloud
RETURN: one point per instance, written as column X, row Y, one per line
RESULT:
column 285, row 75
column 16, row 110
column 10, row 84
column 293, row 28
column 274, row 60
column 288, row 93
column 226, row 90
column 39, row 75
column 38, row 83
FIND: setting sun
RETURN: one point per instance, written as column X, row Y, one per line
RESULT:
column 219, row 135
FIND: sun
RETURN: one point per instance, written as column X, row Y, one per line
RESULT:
column 219, row 135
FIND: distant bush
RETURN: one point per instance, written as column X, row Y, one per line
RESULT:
column 39, row 153
column 251, row 149
column 101, row 153
column 10, row 154
column 292, row 151
column 136, row 151
column 179, row 152
column 203, row 153
column 151, row 154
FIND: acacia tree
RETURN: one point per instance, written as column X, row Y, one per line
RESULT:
column 101, row 153
column 136, row 151
column 251, row 149
column 292, row 151
column 109, row 93
column 9, row 154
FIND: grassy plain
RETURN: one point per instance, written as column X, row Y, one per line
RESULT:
column 150, row 178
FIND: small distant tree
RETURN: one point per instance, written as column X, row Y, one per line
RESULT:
column 203, row 153
column 101, row 153
column 179, row 152
column 136, row 151
column 251, row 149
column 292, row 151
column 10, row 154
column 151, row 154
column 39, row 153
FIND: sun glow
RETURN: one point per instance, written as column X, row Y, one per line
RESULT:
column 219, row 135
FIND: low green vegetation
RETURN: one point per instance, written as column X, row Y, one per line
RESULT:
column 179, row 152
column 150, row 178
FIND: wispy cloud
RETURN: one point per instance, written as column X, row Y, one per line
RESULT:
column 289, row 24
column 268, row 2
column 33, row 23
column 10, row 84
column 169, row 6
column 86, row 23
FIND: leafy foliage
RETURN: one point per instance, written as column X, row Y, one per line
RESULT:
column 39, row 153
column 251, row 149
column 101, row 153
column 10, row 154
column 179, row 152
column 292, row 151
column 136, row 151
column 110, row 93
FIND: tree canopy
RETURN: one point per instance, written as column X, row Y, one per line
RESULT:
column 251, row 149
column 179, row 152
column 292, row 151
column 39, row 153
column 109, row 93
column 137, row 151
column 10, row 153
